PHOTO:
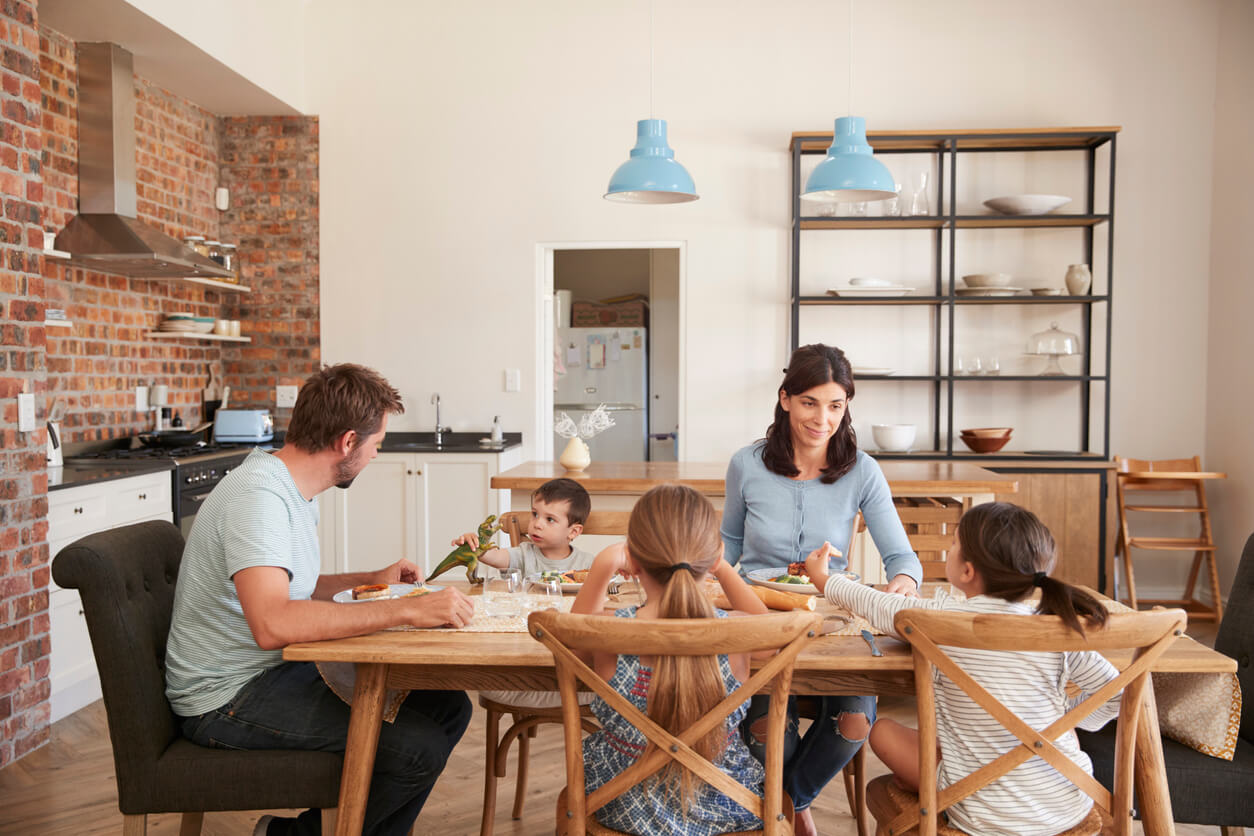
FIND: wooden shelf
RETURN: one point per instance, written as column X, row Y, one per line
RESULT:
column 920, row 222
column 961, row 222
column 192, row 335
column 1025, row 139
column 805, row 301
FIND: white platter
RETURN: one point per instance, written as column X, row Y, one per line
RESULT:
column 988, row 291
column 1027, row 204
column 856, row 292
column 395, row 590
column 762, row 577
column 867, row 370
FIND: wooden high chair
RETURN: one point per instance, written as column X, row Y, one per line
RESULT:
column 1139, row 476
column 931, row 633
column 930, row 523
column 564, row 633
column 526, row 719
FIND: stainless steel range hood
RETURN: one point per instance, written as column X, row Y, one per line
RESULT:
column 105, row 235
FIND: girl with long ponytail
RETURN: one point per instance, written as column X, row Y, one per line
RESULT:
column 673, row 544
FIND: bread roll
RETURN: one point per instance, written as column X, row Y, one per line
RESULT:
column 775, row 599
column 371, row 590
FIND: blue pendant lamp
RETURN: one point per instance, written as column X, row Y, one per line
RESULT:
column 849, row 174
column 651, row 174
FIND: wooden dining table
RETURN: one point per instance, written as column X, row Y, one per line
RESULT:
column 828, row 665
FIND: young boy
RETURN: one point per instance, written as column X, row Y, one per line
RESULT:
column 559, row 508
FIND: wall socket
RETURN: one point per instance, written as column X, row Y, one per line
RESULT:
column 513, row 380
column 285, row 396
column 25, row 412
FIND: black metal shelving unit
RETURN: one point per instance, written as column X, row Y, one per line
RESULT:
column 948, row 148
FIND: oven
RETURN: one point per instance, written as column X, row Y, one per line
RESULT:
column 196, row 471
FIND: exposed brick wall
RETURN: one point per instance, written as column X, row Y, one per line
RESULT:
column 94, row 366
column 24, row 643
column 270, row 165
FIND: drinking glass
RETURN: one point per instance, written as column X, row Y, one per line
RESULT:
column 500, row 594
column 972, row 366
column 858, row 209
column 892, row 206
column 919, row 205
column 991, row 365
column 540, row 593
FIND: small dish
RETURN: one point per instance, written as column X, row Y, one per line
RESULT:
column 1047, row 291
column 1027, row 204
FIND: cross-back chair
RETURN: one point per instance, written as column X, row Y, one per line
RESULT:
column 526, row 719
column 565, row 633
column 1136, row 481
column 930, row 633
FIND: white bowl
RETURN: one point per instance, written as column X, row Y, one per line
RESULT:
column 865, row 282
column 1027, row 204
column 987, row 280
column 893, row 438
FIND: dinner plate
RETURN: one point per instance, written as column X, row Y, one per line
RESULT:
column 867, row 370
column 395, row 590
column 858, row 292
column 987, row 291
column 762, row 577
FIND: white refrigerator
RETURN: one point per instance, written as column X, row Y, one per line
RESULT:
column 608, row 366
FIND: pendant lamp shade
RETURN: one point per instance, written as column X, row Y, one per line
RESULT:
column 849, row 174
column 651, row 174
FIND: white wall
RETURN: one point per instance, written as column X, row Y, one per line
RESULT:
column 463, row 134
column 1230, row 398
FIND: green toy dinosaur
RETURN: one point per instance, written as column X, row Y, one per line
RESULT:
column 464, row 555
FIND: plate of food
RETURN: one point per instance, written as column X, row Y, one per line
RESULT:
column 383, row 592
column 571, row 581
column 791, row 578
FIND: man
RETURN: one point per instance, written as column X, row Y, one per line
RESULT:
column 249, row 585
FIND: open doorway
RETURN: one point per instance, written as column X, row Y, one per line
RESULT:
column 614, row 336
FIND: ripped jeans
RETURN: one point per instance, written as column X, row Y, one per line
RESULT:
column 810, row 762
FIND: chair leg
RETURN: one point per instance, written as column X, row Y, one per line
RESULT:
column 1214, row 590
column 191, row 824
column 1231, row 831
column 1191, row 584
column 134, row 825
column 854, row 774
column 489, row 774
column 1127, row 573
column 524, row 757
column 329, row 817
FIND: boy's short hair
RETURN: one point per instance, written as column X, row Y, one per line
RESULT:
column 567, row 490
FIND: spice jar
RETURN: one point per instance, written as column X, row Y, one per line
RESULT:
column 197, row 243
column 215, row 251
column 228, row 256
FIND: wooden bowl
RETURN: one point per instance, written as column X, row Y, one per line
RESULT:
column 987, row 432
column 985, row 445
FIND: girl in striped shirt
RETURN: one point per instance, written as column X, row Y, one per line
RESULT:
column 1002, row 554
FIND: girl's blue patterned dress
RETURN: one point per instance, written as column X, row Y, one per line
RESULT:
column 618, row 745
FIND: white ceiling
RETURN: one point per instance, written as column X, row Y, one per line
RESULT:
column 162, row 56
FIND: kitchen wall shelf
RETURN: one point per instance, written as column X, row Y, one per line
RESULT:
column 945, row 150
column 218, row 283
column 60, row 254
column 184, row 335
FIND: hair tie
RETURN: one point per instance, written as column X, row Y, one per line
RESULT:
column 1038, row 579
column 677, row 566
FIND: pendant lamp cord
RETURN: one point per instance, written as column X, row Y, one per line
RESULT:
column 849, row 75
column 650, row 59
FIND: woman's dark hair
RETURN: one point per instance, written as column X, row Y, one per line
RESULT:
column 810, row 366
column 1013, row 552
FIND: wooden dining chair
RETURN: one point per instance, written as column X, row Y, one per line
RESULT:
column 526, row 719
column 1136, row 481
column 565, row 633
column 931, row 634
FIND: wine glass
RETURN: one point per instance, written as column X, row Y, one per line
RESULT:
column 540, row 593
column 500, row 596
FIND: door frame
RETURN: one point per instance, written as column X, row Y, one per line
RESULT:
column 543, row 361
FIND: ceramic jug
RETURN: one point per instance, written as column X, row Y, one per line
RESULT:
column 1078, row 279
column 576, row 456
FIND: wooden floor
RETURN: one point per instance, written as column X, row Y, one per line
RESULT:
column 67, row 788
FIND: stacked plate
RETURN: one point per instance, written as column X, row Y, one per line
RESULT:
column 988, row 291
column 855, row 292
column 186, row 323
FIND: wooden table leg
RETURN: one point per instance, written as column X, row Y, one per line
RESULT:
column 359, row 752
column 1150, row 776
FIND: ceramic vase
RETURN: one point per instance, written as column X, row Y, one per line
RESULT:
column 576, row 456
column 1078, row 279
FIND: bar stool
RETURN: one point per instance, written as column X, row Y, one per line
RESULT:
column 1137, row 478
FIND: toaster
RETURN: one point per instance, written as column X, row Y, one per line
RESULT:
column 247, row 425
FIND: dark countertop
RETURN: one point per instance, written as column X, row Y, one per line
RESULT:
column 451, row 443
column 74, row 475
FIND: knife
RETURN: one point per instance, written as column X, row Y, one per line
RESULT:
column 870, row 640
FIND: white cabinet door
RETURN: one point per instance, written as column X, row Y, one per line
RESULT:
column 458, row 499
column 378, row 520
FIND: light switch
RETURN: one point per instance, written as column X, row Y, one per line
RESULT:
column 285, row 396
column 25, row 412
column 141, row 398
column 513, row 380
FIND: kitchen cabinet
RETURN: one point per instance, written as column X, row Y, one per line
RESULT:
column 916, row 375
column 74, row 513
column 410, row 505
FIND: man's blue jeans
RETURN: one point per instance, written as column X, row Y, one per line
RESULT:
column 810, row 762
column 290, row 707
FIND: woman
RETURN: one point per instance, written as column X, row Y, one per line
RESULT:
column 795, row 494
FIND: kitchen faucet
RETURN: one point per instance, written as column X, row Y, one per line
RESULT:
column 439, row 428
